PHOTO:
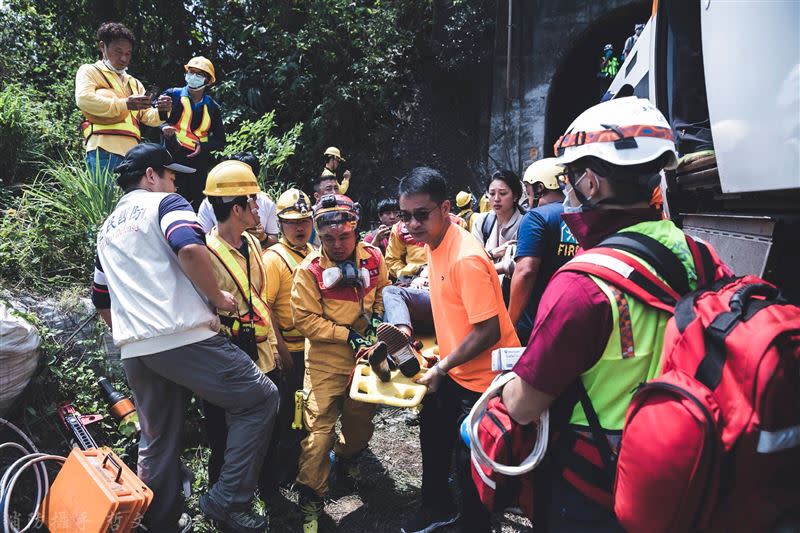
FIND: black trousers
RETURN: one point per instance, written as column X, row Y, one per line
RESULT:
column 283, row 453
column 191, row 186
column 440, row 420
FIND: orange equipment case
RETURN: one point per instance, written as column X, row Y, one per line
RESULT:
column 95, row 492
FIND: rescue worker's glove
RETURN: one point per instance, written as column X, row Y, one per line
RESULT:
column 372, row 329
column 357, row 342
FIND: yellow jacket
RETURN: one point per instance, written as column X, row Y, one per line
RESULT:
column 104, row 106
column 279, row 288
column 325, row 316
column 268, row 349
column 405, row 256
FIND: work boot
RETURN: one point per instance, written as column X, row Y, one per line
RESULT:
column 401, row 349
column 230, row 520
column 311, row 507
column 377, row 358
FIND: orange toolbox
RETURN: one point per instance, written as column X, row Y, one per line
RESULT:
column 95, row 492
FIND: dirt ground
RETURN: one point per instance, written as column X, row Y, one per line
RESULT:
column 392, row 472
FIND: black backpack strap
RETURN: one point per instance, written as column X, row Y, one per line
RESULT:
column 598, row 435
column 666, row 263
column 489, row 221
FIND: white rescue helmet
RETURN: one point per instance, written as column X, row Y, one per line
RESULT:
column 624, row 131
column 546, row 171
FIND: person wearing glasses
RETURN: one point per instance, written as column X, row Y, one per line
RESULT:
column 238, row 268
column 470, row 320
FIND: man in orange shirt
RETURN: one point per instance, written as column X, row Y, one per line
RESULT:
column 471, row 320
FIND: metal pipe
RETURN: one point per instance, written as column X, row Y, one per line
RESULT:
column 508, row 51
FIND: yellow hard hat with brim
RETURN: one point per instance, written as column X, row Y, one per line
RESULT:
column 231, row 178
column 201, row 63
column 463, row 199
column 335, row 152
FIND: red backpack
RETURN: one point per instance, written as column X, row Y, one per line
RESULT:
column 503, row 453
column 713, row 443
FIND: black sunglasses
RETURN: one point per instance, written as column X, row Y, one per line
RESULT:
column 421, row 215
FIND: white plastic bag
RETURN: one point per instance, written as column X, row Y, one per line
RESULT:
column 19, row 356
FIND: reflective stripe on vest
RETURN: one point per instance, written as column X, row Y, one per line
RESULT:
column 290, row 335
column 633, row 352
column 128, row 127
column 184, row 134
column 261, row 317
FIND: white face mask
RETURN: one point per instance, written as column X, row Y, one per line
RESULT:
column 569, row 208
column 195, row 81
column 109, row 65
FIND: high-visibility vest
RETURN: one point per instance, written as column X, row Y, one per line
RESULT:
column 128, row 127
column 290, row 335
column 259, row 315
column 185, row 135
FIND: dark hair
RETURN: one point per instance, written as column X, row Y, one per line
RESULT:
column 510, row 179
column 222, row 210
column 388, row 204
column 424, row 180
column 130, row 179
column 111, row 31
column 319, row 180
column 632, row 183
column 327, row 157
column 248, row 158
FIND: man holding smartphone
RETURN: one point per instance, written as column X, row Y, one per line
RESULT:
column 194, row 128
column 114, row 104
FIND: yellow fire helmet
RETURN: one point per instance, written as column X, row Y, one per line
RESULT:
column 230, row 179
column 201, row 63
column 463, row 199
column 335, row 210
column 546, row 171
column 335, row 152
column 293, row 204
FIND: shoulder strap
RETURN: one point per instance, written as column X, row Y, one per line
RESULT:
column 666, row 263
column 608, row 457
column 490, row 219
column 703, row 262
column 628, row 274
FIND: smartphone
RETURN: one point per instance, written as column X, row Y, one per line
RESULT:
column 153, row 93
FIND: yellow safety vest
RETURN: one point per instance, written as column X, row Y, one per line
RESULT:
column 290, row 335
column 259, row 315
column 128, row 127
column 187, row 137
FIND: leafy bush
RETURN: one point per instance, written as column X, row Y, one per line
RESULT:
column 21, row 129
column 48, row 237
column 272, row 152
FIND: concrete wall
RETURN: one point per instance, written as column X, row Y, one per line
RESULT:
column 545, row 35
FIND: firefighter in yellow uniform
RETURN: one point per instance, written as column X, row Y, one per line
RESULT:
column 336, row 304
column 333, row 157
column 280, row 261
column 238, row 269
column 194, row 128
column 466, row 213
column 113, row 102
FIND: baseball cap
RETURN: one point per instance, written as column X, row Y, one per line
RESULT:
column 152, row 155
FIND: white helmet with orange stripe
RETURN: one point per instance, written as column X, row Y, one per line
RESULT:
column 625, row 132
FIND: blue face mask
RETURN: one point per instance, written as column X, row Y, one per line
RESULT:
column 195, row 81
